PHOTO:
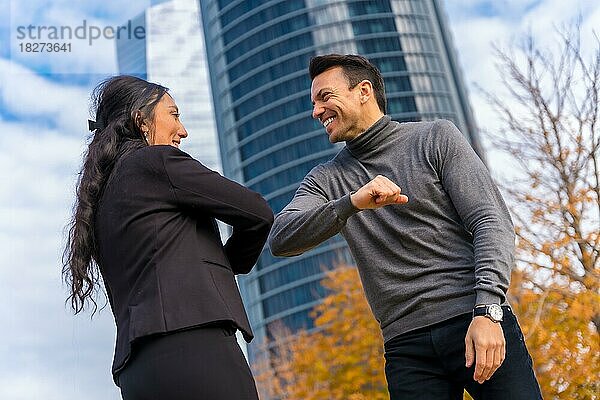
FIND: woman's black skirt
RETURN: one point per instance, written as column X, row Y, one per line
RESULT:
column 201, row 363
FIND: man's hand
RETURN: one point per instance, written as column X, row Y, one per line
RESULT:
column 379, row 192
column 486, row 346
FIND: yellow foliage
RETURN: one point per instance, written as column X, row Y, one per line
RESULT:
column 341, row 360
column 561, row 338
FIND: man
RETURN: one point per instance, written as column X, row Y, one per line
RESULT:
column 435, row 269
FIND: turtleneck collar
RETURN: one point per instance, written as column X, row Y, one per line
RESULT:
column 370, row 140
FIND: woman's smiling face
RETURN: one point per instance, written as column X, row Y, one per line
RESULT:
column 167, row 128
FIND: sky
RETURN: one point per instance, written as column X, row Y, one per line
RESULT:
column 47, row 352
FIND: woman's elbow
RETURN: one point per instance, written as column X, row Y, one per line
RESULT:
column 269, row 217
column 266, row 220
column 264, row 212
column 275, row 251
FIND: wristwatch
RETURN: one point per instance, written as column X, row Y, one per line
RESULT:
column 492, row 311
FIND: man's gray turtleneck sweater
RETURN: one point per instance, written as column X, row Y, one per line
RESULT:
column 449, row 248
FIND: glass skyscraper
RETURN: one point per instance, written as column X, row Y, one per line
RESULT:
column 258, row 53
column 172, row 54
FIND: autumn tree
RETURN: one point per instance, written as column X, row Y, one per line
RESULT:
column 342, row 359
column 549, row 128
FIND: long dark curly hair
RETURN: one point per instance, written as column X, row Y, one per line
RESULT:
column 121, row 104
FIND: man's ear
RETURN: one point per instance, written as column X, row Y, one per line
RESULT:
column 366, row 90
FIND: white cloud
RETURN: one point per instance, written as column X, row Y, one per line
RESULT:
column 506, row 9
column 98, row 58
column 112, row 10
column 47, row 353
column 31, row 96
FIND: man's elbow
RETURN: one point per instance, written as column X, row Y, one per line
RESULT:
column 278, row 247
column 283, row 252
column 274, row 245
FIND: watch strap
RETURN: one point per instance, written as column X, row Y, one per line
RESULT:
column 483, row 310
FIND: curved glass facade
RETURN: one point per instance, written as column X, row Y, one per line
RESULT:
column 258, row 54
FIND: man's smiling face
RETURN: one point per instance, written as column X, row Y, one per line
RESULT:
column 336, row 106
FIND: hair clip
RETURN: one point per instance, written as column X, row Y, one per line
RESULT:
column 95, row 125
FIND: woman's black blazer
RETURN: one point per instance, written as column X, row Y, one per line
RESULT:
column 159, row 249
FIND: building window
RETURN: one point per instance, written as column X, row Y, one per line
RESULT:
column 273, row 115
column 286, row 177
column 369, row 7
column 373, row 26
column 278, row 135
column 274, row 93
column 268, row 34
column 378, row 45
column 293, row 297
column 284, row 155
column 254, row 20
column 264, row 76
column 401, row 105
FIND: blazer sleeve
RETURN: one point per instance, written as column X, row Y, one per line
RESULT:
column 197, row 187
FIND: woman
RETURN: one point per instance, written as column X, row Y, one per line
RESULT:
column 145, row 221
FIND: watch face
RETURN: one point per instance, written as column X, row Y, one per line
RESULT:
column 495, row 312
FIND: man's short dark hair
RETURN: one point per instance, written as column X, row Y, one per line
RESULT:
column 356, row 69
